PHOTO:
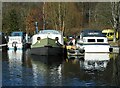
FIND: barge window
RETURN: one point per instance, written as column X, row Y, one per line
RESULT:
column 100, row 40
column 91, row 40
column 16, row 34
column 111, row 34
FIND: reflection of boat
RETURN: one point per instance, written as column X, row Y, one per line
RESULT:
column 15, row 63
column 47, row 42
column 75, row 57
column 75, row 52
column 96, row 56
column 95, row 61
column 93, row 41
column 47, row 59
column 17, row 56
column 46, row 70
column 17, row 41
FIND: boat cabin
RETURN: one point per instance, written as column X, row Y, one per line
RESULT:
column 91, row 33
column 23, row 34
column 93, row 41
column 53, row 34
column 17, row 40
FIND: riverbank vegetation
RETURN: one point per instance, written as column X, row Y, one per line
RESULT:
column 69, row 17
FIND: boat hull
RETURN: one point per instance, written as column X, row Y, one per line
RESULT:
column 16, row 42
column 52, row 51
column 18, row 46
column 97, row 48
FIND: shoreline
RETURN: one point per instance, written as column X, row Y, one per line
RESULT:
column 116, row 44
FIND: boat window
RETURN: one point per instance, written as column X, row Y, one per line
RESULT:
column 100, row 40
column 91, row 40
column 49, row 31
column 97, row 33
column 105, row 33
column 111, row 33
column 38, row 38
column 16, row 34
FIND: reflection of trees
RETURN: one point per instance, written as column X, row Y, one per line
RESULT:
column 3, row 56
column 71, row 67
column 116, row 69
column 112, row 73
column 26, row 60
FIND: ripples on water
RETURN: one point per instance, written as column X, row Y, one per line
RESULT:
column 21, row 69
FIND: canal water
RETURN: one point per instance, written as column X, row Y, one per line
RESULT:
column 93, row 69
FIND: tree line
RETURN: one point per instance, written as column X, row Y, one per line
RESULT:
column 69, row 17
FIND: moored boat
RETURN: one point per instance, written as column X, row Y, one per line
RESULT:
column 48, row 42
column 93, row 41
column 17, row 40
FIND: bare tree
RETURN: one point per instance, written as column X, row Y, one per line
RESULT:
column 55, row 15
column 115, row 16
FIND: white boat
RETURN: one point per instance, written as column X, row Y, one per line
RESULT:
column 47, row 42
column 16, row 41
column 93, row 41
column 48, row 34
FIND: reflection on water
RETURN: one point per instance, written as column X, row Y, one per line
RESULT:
column 95, row 61
column 94, row 69
column 47, row 69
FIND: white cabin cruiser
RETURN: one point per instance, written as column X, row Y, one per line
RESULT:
column 17, row 40
column 93, row 41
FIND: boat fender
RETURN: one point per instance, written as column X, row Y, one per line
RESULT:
column 111, row 49
column 81, row 50
column 56, row 39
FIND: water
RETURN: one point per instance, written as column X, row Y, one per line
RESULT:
column 94, row 69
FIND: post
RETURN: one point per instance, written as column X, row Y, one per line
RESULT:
column 36, row 27
column 119, row 20
column 44, row 16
